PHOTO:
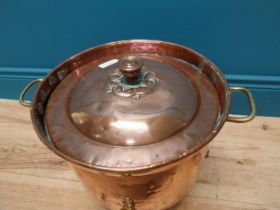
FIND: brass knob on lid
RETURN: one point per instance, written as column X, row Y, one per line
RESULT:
column 128, row 204
column 131, row 67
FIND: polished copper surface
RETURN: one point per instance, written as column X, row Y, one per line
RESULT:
column 139, row 150
column 157, row 151
column 81, row 115
column 154, row 189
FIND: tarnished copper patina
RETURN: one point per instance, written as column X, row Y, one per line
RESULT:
column 133, row 119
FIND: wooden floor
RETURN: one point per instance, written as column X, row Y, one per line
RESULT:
column 242, row 171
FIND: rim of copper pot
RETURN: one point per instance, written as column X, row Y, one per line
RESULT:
column 75, row 61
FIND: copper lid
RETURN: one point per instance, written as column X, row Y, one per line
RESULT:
column 133, row 108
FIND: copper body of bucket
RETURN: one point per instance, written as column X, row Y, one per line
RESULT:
column 133, row 119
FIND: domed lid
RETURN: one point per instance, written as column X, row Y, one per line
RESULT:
column 131, row 109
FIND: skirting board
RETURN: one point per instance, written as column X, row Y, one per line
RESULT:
column 266, row 89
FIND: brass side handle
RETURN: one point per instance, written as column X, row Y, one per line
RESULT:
column 238, row 119
column 22, row 100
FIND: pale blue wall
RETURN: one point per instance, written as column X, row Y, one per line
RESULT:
column 241, row 37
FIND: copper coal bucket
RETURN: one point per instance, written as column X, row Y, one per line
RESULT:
column 133, row 119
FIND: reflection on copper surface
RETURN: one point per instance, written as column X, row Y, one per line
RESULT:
column 82, row 123
column 130, row 125
column 130, row 141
